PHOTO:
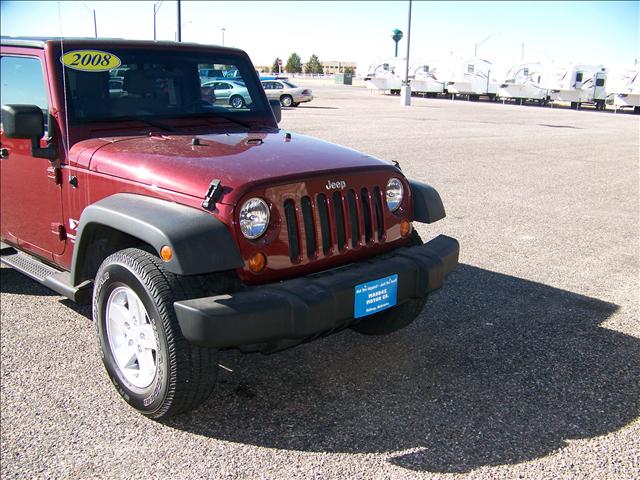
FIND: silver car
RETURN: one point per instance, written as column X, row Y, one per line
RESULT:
column 288, row 93
column 226, row 92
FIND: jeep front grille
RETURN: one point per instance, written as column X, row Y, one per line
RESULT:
column 325, row 225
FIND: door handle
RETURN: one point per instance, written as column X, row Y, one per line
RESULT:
column 4, row 152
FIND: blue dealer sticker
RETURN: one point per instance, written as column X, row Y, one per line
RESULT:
column 375, row 296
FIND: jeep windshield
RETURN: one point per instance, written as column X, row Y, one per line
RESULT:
column 154, row 86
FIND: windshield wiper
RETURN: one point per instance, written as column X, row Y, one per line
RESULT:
column 227, row 118
column 151, row 123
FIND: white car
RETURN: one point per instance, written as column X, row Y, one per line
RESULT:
column 289, row 94
column 231, row 92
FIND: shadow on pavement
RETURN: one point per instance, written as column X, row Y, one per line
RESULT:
column 498, row 370
column 14, row 282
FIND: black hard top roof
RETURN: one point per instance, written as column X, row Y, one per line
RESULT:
column 39, row 42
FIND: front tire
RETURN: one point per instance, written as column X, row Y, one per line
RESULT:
column 237, row 101
column 152, row 366
column 395, row 318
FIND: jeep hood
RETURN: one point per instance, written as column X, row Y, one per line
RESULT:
column 241, row 161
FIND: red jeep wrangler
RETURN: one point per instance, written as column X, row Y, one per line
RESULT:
column 190, row 220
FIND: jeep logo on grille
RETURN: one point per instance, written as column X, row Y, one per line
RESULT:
column 339, row 185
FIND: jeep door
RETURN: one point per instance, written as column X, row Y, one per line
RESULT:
column 30, row 197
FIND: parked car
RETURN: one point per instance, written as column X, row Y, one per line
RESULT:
column 192, row 227
column 288, row 94
column 233, row 93
column 116, row 87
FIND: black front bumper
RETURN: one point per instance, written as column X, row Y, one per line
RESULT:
column 302, row 307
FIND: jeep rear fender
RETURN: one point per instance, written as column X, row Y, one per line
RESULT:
column 427, row 204
column 200, row 242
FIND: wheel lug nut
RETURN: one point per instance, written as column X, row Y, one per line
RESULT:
column 142, row 335
column 130, row 342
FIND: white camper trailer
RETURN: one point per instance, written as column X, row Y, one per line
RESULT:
column 385, row 74
column 623, row 90
column 429, row 76
column 474, row 77
column 529, row 81
column 582, row 84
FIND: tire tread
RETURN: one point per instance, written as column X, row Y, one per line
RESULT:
column 192, row 370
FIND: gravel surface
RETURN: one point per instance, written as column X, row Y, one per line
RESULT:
column 526, row 365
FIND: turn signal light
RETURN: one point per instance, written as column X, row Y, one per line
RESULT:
column 257, row 262
column 405, row 228
column 166, row 253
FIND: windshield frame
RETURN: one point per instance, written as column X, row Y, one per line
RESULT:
column 261, row 116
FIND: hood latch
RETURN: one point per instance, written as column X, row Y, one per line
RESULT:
column 213, row 195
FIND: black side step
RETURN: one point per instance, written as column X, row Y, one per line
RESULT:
column 56, row 280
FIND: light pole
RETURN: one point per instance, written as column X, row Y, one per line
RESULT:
column 405, row 90
column 182, row 25
column 481, row 42
column 156, row 8
column 179, row 32
column 223, row 29
column 95, row 24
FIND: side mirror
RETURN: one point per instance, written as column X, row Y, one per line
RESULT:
column 27, row 121
column 277, row 109
column 22, row 121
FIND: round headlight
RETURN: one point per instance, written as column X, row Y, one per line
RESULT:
column 395, row 192
column 254, row 218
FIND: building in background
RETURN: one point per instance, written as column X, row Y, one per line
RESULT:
column 333, row 67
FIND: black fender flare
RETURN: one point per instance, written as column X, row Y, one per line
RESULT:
column 200, row 242
column 427, row 204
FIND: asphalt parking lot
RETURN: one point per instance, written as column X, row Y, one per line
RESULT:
column 526, row 365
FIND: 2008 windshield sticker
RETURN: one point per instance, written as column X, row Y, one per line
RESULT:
column 90, row 60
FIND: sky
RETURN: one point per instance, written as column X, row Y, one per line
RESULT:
column 590, row 32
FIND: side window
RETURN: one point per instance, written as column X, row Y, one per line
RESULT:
column 470, row 68
column 579, row 77
column 22, row 82
column 278, row 85
column 599, row 82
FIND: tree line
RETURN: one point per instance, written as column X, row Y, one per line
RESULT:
column 294, row 65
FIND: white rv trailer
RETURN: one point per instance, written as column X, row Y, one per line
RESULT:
column 623, row 87
column 474, row 77
column 430, row 76
column 385, row 74
column 582, row 84
column 529, row 81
